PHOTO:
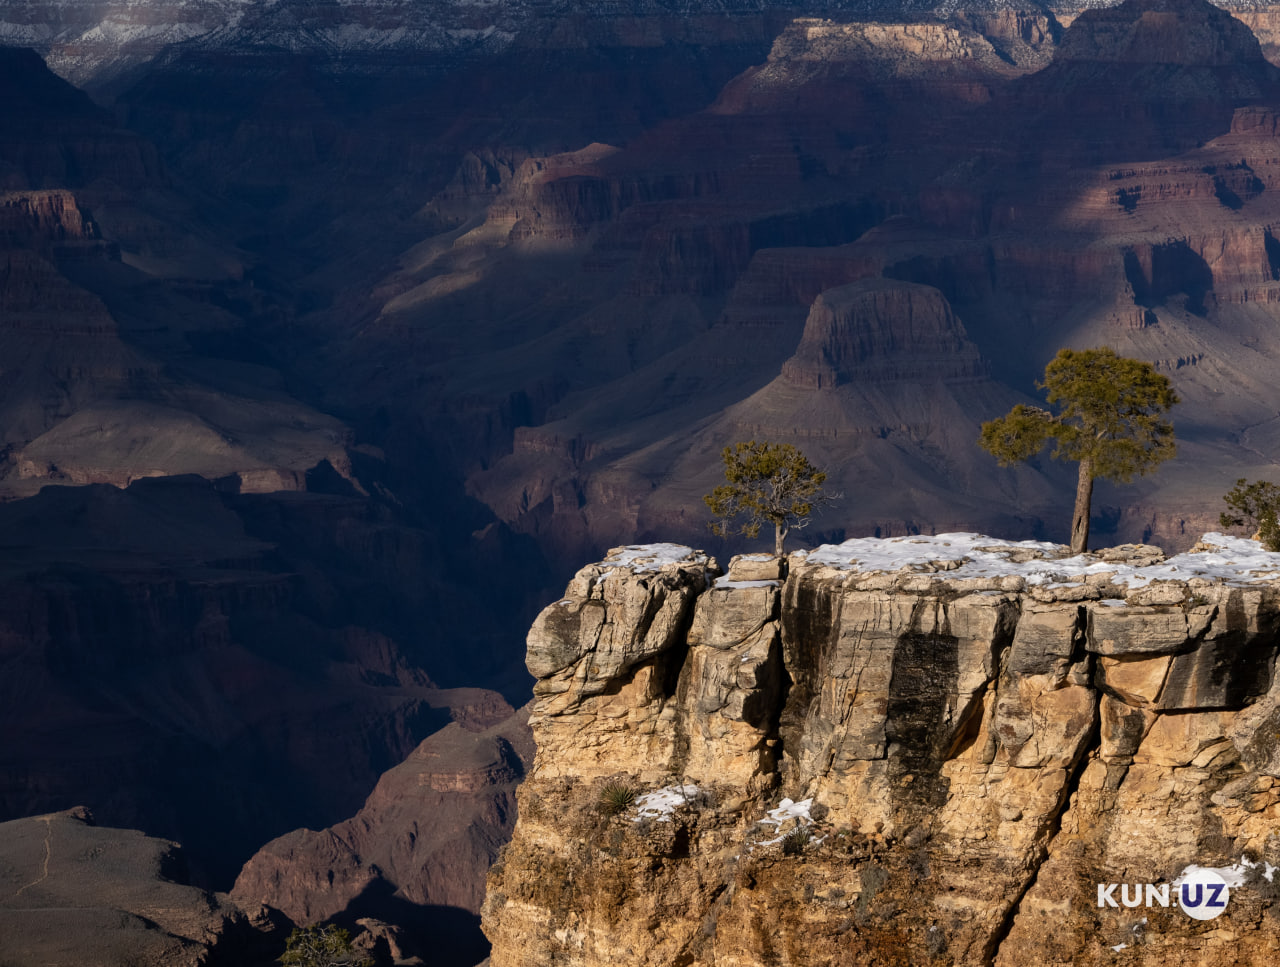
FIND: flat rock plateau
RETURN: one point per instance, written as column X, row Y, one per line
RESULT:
column 334, row 337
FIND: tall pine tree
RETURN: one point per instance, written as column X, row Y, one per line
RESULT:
column 1109, row 419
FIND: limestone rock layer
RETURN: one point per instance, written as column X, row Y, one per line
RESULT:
column 920, row 761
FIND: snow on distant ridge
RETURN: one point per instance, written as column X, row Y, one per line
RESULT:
column 86, row 40
column 1232, row 560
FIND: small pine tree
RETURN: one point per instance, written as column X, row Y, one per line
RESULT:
column 768, row 483
column 322, row 946
column 1110, row 420
column 1256, row 505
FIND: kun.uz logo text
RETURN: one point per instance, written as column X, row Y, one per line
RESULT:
column 1201, row 893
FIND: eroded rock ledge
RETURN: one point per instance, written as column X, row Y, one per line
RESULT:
column 975, row 733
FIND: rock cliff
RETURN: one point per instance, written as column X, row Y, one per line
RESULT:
column 907, row 751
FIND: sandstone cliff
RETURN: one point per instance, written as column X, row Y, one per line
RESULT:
column 909, row 751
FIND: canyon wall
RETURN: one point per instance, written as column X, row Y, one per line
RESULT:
column 905, row 751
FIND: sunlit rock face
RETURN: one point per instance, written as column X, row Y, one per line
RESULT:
column 969, row 735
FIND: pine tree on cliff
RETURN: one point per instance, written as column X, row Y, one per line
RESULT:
column 768, row 483
column 1257, row 506
column 1110, row 420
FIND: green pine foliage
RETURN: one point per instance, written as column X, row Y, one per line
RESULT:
column 1110, row 419
column 322, row 946
column 1256, row 506
column 768, row 483
column 1110, row 411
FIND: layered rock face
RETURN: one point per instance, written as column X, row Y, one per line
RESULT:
column 1167, row 33
column 101, row 382
column 1120, row 196
column 880, row 329
column 909, row 751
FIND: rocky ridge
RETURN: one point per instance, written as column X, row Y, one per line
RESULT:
column 75, row 893
column 417, row 851
column 100, row 41
column 968, row 734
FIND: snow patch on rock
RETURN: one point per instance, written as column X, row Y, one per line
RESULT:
column 661, row 805
column 1219, row 558
column 643, row 558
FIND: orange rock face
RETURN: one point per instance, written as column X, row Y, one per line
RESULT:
column 895, row 763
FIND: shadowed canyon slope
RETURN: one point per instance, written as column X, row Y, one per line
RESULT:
column 77, row 893
column 217, row 622
column 646, row 300
column 416, row 852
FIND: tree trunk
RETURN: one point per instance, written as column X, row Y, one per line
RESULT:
column 779, row 536
column 1080, row 518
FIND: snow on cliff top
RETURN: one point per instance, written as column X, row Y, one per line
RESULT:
column 639, row 558
column 1232, row 560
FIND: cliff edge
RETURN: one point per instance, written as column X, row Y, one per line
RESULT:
column 926, row 750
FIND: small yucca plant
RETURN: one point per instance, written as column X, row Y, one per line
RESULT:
column 616, row 797
column 796, row 840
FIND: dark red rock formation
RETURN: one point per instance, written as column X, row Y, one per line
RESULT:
column 57, row 137
column 1050, row 209
column 426, row 835
column 1184, row 33
column 1148, row 77
column 229, row 665
column 879, row 330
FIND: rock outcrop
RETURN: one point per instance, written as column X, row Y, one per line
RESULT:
column 909, row 751
column 418, row 850
column 75, row 893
